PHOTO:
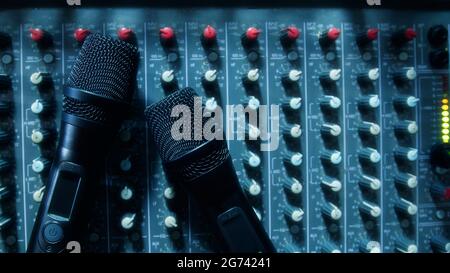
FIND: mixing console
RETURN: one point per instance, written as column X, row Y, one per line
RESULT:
column 363, row 97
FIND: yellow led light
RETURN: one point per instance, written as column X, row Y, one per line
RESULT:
column 445, row 119
column 444, row 107
column 445, row 131
column 445, row 125
column 444, row 101
column 445, row 138
column 445, row 113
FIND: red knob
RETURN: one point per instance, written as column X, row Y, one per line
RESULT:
column 252, row 33
column 209, row 33
column 447, row 194
column 410, row 34
column 37, row 34
column 372, row 34
column 293, row 33
column 166, row 33
column 80, row 34
column 333, row 34
column 125, row 34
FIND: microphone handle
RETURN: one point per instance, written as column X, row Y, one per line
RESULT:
column 221, row 196
column 74, row 174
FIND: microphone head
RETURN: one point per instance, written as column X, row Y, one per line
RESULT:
column 106, row 68
column 185, row 159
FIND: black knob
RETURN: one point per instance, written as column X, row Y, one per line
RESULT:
column 5, row 40
column 437, row 35
column 440, row 156
column 438, row 58
column 5, row 136
column 5, row 107
column 5, row 81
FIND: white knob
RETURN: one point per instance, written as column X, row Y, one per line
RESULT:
column 169, row 193
column 170, row 222
column 333, row 184
column 39, row 194
column 211, row 104
column 335, row 74
column 210, row 75
column 126, row 193
column 411, row 73
column 127, row 221
column 168, row 76
column 295, row 103
column 253, row 74
column 253, row 103
column 294, row 75
column 253, row 160
column 373, row 74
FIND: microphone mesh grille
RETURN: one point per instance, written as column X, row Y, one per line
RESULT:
column 160, row 124
column 105, row 67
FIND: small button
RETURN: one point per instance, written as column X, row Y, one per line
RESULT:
column 53, row 233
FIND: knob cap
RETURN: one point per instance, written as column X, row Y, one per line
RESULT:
column 368, row 77
column 406, row 180
column 126, row 193
column 292, row 104
column 294, row 214
column 407, row 74
column 292, row 131
column 293, row 186
column 289, row 35
column 170, row 222
column 291, row 77
column 210, row 77
column 40, row 79
column 252, row 132
column 369, row 102
column 406, row 207
column 169, row 193
column 369, row 128
column 211, row 104
column 331, row 211
column 167, row 37
column 407, row 127
column 40, row 136
column 331, row 184
column 440, row 244
column 127, row 220
column 40, row 164
column 328, row 37
column 370, row 209
column 252, row 187
column 80, row 34
column 39, row 194
column 168, row 81
column 41, row 107
column 370, row 154
column 368, row 246
column 209, row 36
column 409, row 154
column 370, row 182
column 41, row 37
column 293, row 159
column 406, row 101
column 250, row 37
column 405, row 246
column 332, row 76
column 330, row 102
column 331, row 129
column 253, row 103
column 366, row 38
column 403, row 36
column 332, row 156
column 252, row 160
column 252, row 76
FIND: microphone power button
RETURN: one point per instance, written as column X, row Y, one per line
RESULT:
column 53, row 233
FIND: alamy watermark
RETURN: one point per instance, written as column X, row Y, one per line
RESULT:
column 242, row 123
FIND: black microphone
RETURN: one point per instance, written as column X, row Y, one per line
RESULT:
column 96, row 95
column 205, row 169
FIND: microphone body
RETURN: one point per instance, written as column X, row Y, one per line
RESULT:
column 205, row 170
column 89, row 120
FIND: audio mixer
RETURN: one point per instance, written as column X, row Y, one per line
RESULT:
column 360, row 166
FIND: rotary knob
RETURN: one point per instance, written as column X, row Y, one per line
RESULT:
column 127, row 220
column 370, row 154
column 292, row 104
column 168, row 81
column 331, row 184
column 406, row 207
column 407, row 74
column 294, row 159
column 40, row 136
column 403, row 36
column 367, row 78
column 406, row 101
column 125, row 34
column 292, row 131
column 438, row 58
column 328, row 37
column 408, row 154
column 125, row 164
column 407, row 127
column 80, row 34
column 292, row 185
column 331, row 77
column 369, row 128
column 331, row 156
column 169, row 193
column 252, row 160
column 370, row 209
column 369, row 102
column 211, row 104
column 40, row 165
column 405, row 246
column 39, row 194
column 126, row 193
column 406, row 180
column 370, row 182
column 330, row 102
column 331, row 211
column 366, row 38
column 331, row 129
column 170, row 222
column 292, row 77
column 42, row 38
column 252, row 187
column 251, row 77
column 440, row 244
column 209, row 36
column 368, row 246
column 167, row 37
column 330, row 247
column 294, row 214
column 253, row 103
column 289, row 35
column 250, row 37
column 41, row 79
column 209, row 79
column 252, row 132
column 437, row 35
column 42, row 107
